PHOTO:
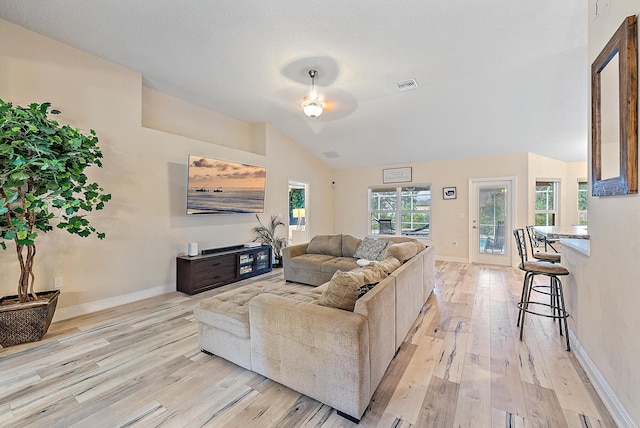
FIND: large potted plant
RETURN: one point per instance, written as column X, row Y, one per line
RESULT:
column 267, row 234
column 42, row 184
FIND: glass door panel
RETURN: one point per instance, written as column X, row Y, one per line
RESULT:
column 490, row 213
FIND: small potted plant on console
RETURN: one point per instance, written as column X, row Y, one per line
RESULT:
column 266, row 234
column 42, row 184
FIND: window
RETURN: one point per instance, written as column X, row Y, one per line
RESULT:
column 547, row 203
column 583, row 189
column 400, row 211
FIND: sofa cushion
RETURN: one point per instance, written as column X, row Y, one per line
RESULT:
column 311, row 262
column 402, row 251
column 342, row 291
column 326, row 244
column 371, row 249
column 389, row 264
column 339, row 263
column 349, row 245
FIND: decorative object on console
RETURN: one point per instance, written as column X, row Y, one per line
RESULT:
column 614, row 138
column 192, row 249
column 449, row 193
column 43, row 177
column 222, row 187
column 267, row 234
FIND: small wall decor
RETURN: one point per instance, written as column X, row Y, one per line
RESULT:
column 448, row 193
column 396, row 175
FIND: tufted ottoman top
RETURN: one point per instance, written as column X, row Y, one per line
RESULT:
column 229, row 311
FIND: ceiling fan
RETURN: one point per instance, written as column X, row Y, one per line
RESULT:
column 313, row 105
column 323, row 101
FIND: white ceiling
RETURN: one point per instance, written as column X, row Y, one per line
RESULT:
column 494, row 76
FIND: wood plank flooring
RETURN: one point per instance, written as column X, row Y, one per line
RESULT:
column 462, row 365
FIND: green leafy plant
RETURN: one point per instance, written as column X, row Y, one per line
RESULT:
column 266, row 234
column 42, row 182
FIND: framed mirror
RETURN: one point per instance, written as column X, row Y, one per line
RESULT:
column 614, row 114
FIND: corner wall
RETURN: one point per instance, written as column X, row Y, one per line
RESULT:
column 146, row 172
column 604, row 304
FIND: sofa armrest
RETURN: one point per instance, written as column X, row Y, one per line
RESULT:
column 293, row 251
column 319, row 351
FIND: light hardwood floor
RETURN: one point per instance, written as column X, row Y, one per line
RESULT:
column 462, row 365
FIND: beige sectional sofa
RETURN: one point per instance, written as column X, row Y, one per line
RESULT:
column 315, row 262
column 335, row 356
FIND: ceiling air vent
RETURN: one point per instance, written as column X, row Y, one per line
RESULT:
column 331, row 155
column 407, row 85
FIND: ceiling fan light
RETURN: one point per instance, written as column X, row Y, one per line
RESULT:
column 313, row 108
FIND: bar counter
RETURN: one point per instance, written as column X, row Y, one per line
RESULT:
column 562, row 232
column 574, row 237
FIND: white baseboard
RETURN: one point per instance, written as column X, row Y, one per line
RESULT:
column 452, row 259
column 608, row 397
column 110, row 302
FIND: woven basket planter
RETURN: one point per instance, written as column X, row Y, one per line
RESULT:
column 26, row 322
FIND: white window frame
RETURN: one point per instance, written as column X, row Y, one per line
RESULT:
column 583, row 213
column 398, row 211
column 556, row 200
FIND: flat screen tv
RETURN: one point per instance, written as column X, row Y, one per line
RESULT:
column 222, row 187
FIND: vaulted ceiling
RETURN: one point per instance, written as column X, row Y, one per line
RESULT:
column 493, row 76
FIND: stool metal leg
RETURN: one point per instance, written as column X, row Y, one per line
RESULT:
column 525, row 303
column 556, row 304
column 524, row 290
column 565, row 314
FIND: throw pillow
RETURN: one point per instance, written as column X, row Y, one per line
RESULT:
column 330, row 245
column 342, row 291
column 402, row 251
column 390, row 264
column 371, row 249
column 373, row 273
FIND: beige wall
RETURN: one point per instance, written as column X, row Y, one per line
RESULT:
column 450, row 218
column 146, row 171
column 603, row 299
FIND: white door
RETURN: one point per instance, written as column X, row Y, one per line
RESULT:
column 491, row 211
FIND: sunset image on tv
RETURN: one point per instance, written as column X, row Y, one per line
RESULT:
column 222, row 187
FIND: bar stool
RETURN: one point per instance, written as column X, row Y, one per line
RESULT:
column 535, row 242
column 553, row 272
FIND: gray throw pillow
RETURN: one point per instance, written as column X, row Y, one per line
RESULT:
column 371, row 249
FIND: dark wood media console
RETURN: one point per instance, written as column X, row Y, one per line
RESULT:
column 220, row 266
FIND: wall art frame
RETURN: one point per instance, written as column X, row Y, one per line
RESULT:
column 623, row 47
column 449, row 193
column 396, row 175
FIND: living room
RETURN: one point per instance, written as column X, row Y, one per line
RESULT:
column 146, row 137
